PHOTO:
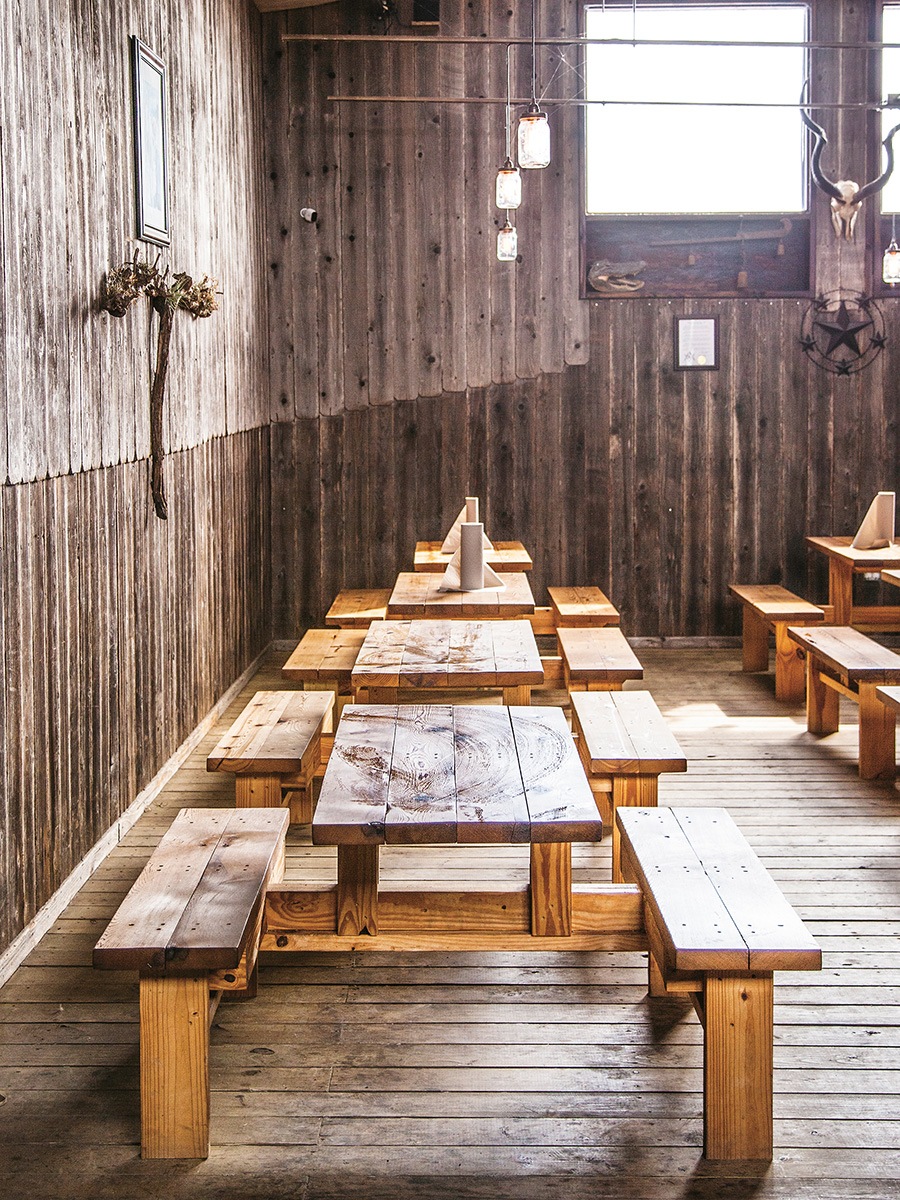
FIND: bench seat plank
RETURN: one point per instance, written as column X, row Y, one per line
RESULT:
column 624, row 733
column 851, row 654
column 581, row 606
column 324, row 655
column 776, row 603
column 357, row 608
column 716, row 906
column 196, row 900
column 277, row 733
column 600, row 656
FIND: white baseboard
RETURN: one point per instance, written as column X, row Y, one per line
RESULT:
column 13, row 956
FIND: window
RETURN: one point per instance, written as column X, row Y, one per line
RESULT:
column 695, row 157
column 890, row 86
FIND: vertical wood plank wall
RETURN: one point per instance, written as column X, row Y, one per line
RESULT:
column 409, row 367
column 119, row 632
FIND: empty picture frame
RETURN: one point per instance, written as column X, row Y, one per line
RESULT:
column 696, row 344
column 151, row 168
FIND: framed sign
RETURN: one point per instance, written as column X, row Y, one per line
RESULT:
column 696, row 344
column 151, row 168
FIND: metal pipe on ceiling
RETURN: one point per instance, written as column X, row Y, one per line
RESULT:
column 453, row 40
column 579, row 103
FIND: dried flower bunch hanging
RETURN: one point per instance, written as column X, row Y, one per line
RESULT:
column 123, row 285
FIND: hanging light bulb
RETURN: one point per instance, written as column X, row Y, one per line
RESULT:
column 534, row 138
column 507, row 242
column 890, row 264
column 509, row 186
column 508, row 190
column 534, row 127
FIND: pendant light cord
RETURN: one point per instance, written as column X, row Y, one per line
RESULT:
column 508, row 107
column 533, row 59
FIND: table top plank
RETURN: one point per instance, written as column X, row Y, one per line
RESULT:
column 490, row 804
column 517, row 658
column 381, row 655
column 860, row 560
column 470, row 649
column 851, row 654
column 273, row 734
column 417, row 594
column 561, row 805
column 421, row 806
column 505, row 556
column 352, row 805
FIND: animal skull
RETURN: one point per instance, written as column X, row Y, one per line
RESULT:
column 846, row 196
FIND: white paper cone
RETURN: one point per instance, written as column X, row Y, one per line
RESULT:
column 877, row 528
column 450, row 543
column 471, row 509
column 471, row 556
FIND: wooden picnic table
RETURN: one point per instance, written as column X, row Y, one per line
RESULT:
column 405, row 775
column 417, row 594
column 448, row 654
column 843, row 563
column 505, row 556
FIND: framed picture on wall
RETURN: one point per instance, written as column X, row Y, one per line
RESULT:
column 151, row 167
column 696, row 344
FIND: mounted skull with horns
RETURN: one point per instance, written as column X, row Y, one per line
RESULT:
column 846, row 196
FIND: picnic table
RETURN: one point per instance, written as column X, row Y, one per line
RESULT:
column 843, row 563
column 448, row 654
column 417, row 594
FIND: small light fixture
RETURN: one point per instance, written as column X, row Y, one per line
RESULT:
column 507, row 242
column 534, row 125
column 508, row 190
column 890, row 264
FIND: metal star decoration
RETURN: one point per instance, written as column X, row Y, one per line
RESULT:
column 842, row 333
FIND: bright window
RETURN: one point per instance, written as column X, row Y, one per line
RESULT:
column 890, row 85
column 696, row 157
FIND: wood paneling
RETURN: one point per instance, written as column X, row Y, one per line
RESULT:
column 76, row 380
column 661, row 487
column 120, row 633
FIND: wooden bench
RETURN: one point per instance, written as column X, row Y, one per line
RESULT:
column 584, row 607
column 191, row 926
column 324, row 659
column 596, row 659
column 357, row 608
column 841, row 661
column 624, row 744
column 274, row 749
column 718, row 927
column 769, row 606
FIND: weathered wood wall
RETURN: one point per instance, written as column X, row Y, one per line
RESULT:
column 615, row 469
column 119, row 632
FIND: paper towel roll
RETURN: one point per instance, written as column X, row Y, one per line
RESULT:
column 472, row 508
column 877, row 528
column 471, row 556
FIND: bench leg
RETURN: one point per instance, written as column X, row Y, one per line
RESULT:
column 174, row 1066
column 257, row 791
column 737, row 1065
column 357, row 889
column 877, row 736
column 822, row 702
column 636, row 791
column 790, row 669
column 755, row 641
column 551, row 889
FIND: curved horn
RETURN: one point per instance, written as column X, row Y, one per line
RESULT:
column 819, row 178
column 869, row 189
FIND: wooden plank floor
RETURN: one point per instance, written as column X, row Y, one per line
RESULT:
column 494, row 1076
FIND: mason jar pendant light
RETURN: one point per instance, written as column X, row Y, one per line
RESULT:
column 507, row 242
column 534, row 125
column 890, row 264
column 508, row 190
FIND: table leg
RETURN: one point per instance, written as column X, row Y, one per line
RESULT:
column 517, row 695
column 877, row 736
column 840, row 590
column 357, row 889
column 551, row 889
